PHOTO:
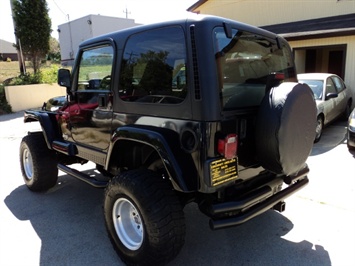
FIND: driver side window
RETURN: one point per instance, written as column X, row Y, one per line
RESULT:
column 95, row 69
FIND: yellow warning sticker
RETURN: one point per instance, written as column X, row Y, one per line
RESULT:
column 223, row 170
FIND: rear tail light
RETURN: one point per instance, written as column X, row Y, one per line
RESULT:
column 279, row 76
column 274, row 79
column 228, row 146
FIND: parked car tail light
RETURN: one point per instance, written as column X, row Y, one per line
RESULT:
column 228, row 146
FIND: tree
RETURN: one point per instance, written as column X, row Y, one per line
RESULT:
column 33, row 29
column 54, row 50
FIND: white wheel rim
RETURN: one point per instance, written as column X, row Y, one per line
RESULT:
column 128, row 224
column 27, row 164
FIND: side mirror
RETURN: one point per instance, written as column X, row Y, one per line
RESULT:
column 64, row 78
column 331, row 96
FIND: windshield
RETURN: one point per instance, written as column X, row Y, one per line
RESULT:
column 244, row 63
column 316, row 87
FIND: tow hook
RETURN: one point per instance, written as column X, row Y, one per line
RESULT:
column 280, row 206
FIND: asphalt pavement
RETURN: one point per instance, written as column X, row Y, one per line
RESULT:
column 65, row 225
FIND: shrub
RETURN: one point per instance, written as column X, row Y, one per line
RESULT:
column 45, row 75
column 5, row 108
column 49, row 74
column 26, row 79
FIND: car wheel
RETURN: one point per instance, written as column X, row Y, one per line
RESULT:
column 38, row 163
column 144, row 218
column 319, row 129
column 347, row 111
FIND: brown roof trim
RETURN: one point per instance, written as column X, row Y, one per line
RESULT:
column 335, row 26
column 320, row 24
column 296, row 36
column 196, row 5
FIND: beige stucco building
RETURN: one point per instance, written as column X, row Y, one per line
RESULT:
column 321, row 33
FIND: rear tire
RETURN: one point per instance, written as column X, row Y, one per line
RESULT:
column 144, row 218
column 38, row 163
column 347, row 111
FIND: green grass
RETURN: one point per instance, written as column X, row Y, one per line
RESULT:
column 8, row 70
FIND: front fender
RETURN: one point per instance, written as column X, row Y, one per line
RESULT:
column 48, row 124
column 178, row 163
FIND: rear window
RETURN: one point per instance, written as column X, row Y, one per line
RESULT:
column 244, row 63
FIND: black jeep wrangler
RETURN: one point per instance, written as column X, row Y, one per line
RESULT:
column 204, row 110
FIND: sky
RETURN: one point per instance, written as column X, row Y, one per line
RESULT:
column 142, row 11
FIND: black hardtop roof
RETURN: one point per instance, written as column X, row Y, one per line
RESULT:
column 208, row 21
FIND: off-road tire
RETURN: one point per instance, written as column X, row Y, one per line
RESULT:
column 142, row 201
column 38, row 163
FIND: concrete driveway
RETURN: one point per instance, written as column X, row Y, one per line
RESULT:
column 65, row 226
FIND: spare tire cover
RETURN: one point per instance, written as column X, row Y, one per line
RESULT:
column 285, row 128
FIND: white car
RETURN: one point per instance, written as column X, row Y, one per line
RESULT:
column 332, row 96
column 351, row 131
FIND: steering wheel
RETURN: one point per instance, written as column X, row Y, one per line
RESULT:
column 105, row 83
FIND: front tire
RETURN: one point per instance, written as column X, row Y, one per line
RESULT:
column 319, row 129
column 144, row 218
column 38, row 163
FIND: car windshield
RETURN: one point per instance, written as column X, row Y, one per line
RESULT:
column 244, row 63
column 316, row 86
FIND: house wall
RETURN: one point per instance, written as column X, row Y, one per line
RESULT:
column 31, row 96
column 269, row 12
column 72, row 33
column 349, row 76
column 7, row 50
column 5, row 56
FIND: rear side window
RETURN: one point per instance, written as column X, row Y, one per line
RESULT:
column 244, row 63
column 153, row 68
column 338, row 84
column 330, row 87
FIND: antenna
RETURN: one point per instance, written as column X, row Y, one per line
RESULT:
column 126, row 12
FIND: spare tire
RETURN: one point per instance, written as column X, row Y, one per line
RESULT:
column 285, row 128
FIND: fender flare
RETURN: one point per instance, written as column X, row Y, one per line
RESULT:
column 166, row 143
column 48, row 124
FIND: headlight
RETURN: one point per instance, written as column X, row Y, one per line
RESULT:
column 352, row 121
column 54, row 108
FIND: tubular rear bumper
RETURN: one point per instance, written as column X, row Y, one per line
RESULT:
column 260, row 201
